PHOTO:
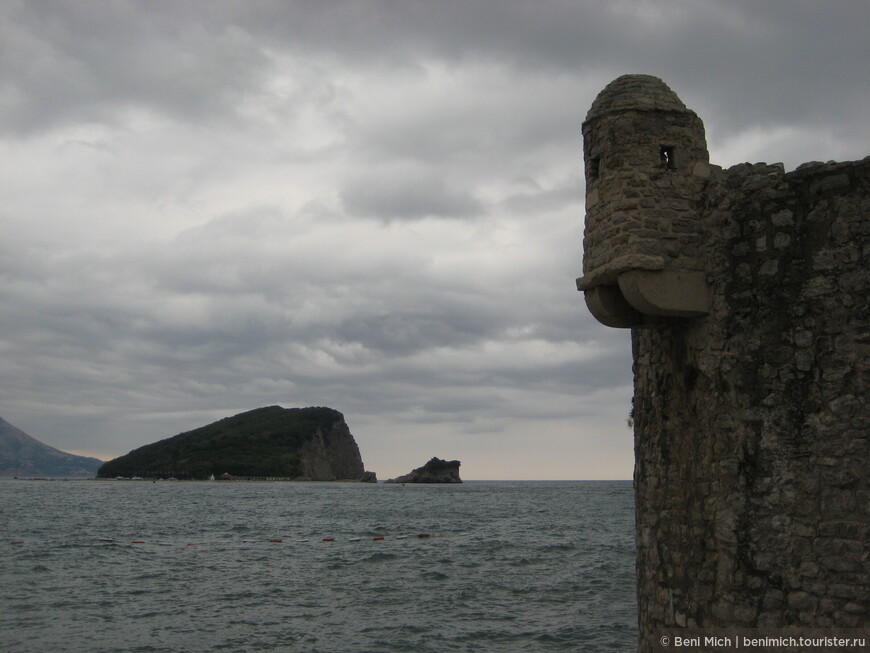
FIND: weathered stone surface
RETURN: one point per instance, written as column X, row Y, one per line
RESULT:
column 435, row 471
column 646, row 163
column 751, row 421
column 673, row 293
column 609, row 307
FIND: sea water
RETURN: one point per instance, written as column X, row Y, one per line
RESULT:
column 138, row 566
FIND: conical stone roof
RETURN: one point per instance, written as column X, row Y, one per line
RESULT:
column 635, row 93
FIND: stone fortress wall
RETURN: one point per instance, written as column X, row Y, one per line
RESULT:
column 746, row 291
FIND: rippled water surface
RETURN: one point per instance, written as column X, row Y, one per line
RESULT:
column 101, row 566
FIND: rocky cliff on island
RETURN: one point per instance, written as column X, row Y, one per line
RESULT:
column 304, row 444
column 435, row 471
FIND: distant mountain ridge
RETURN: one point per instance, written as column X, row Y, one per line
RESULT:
column 272, row 442
column 26, row 457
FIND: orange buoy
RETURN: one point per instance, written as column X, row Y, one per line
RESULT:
column 329, row 539
column 379, row 537
column 137, row 541
column 423, row 535
column 276, row 540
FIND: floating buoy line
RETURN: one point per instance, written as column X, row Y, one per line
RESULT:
column 276, row 540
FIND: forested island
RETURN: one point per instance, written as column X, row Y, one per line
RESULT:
column 273, row 442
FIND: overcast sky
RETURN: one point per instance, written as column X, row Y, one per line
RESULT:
column 374, row 206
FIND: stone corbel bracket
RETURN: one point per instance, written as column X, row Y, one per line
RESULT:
column 634, row 290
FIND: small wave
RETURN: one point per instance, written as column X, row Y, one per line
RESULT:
column 380, row 557
column 470, row 564
column 239, row 596
column 74, row 545
column 567, row 546
column 434, row 575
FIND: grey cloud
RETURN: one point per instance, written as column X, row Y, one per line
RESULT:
column 567, row 193
column 750, row 63
column 84, row 62
column 403, row 331
column 406, row 194
column 756, row 60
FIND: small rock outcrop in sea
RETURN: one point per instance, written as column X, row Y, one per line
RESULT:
column 300, row 444
column 435, row 471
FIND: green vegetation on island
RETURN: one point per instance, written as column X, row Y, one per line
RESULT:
column 271, row 442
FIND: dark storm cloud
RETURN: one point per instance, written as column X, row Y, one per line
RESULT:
column 757, row 61
column 71, row 61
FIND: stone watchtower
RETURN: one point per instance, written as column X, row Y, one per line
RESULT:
column 646, row 162
column 747, row 292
